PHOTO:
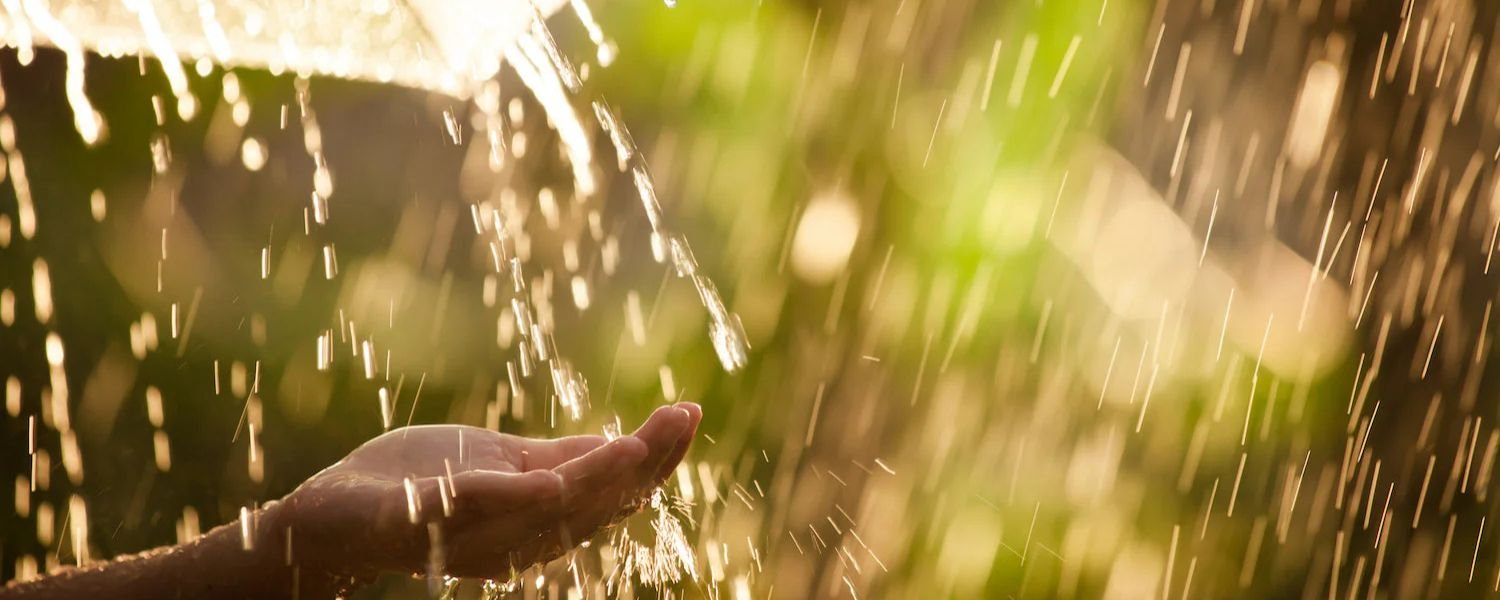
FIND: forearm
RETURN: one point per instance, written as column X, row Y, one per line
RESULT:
column 220, row 564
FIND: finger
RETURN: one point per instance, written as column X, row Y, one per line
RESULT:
column 494, row 488
column 600, row 468
column 695, row 416
column 477, row 493
column 548, row 454
column 662, row 431
column 608, row 482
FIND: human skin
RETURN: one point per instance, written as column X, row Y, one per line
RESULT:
column 450, row 499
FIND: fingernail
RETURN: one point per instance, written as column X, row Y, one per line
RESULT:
column 680, row 421
column 693, row 409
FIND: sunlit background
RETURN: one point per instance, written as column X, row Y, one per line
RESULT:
column 1106, row 298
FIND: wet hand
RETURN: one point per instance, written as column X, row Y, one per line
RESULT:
column 471, row 502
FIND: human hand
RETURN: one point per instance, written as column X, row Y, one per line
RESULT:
column 473, row 502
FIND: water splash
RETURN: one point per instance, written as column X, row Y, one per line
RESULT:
column 85, row 118
column 725, row 329
column 667, row 559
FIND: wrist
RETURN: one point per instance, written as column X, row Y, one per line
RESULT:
column 268, row 546
column 280, row 559
column 287, row 552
